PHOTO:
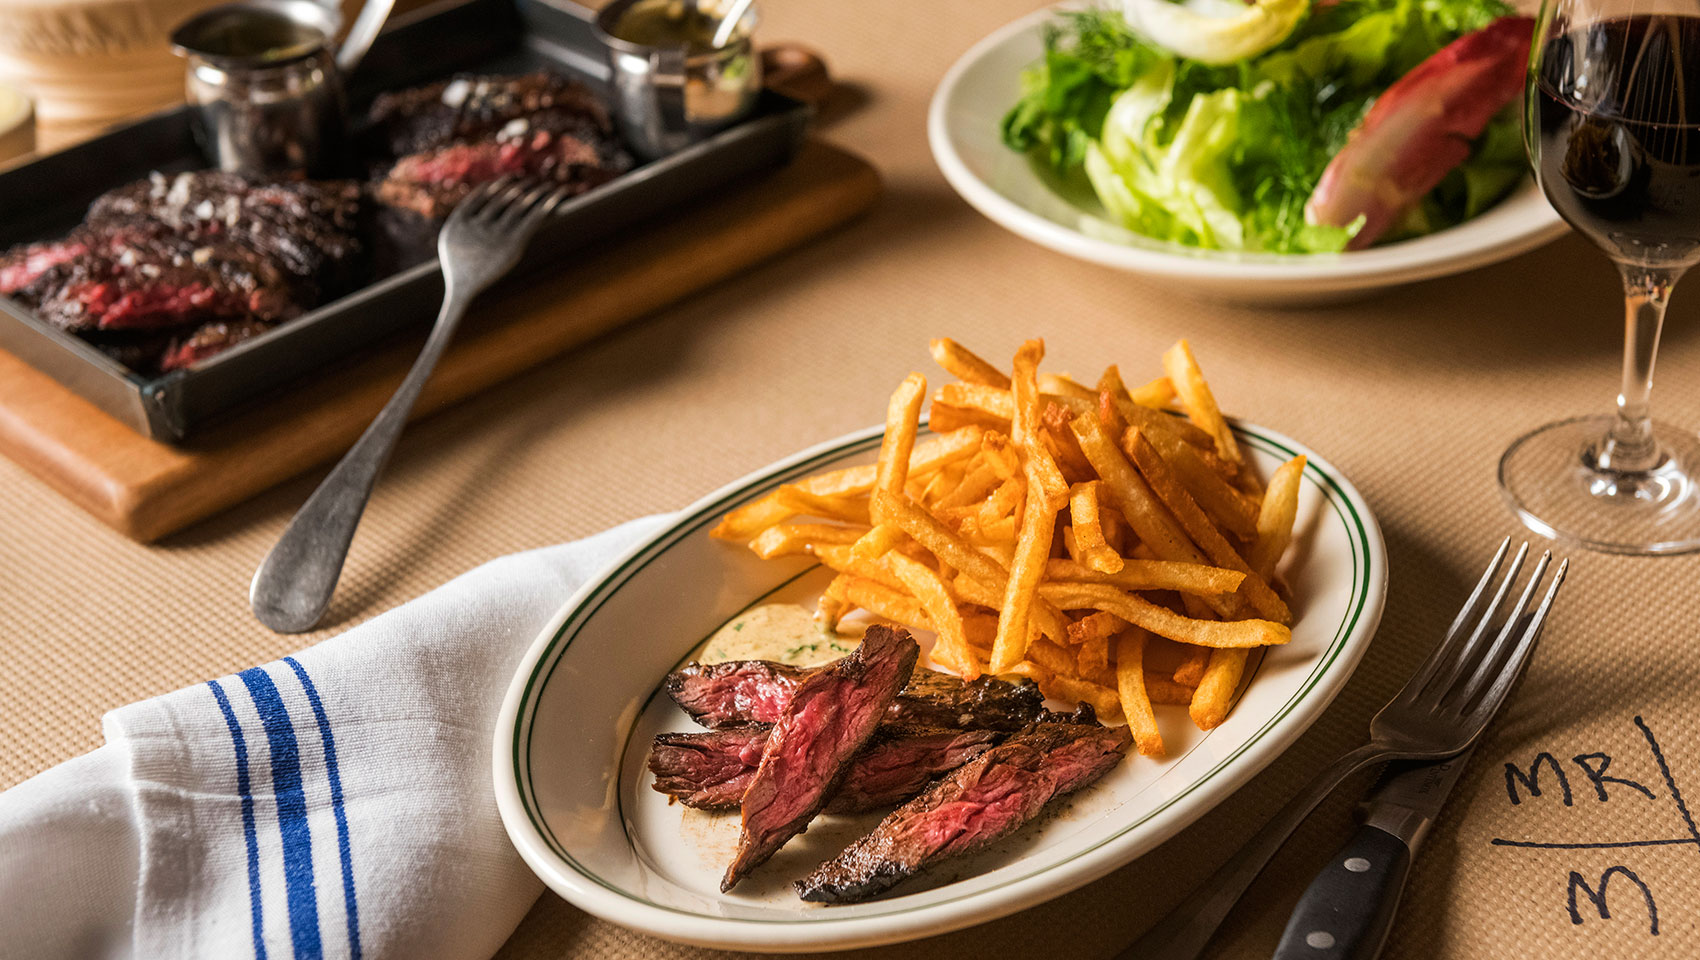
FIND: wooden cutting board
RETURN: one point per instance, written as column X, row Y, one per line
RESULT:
column 145, row 489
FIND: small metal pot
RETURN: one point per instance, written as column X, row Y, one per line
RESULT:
column 265, row 83
column 667, row 98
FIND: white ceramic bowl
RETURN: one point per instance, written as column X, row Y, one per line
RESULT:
column 575, row 729
column 963, row 129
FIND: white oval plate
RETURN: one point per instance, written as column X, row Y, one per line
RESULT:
column 963, row 127
column 572, row 737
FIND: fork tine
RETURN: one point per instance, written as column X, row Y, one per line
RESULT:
column 503, row 201
column 555, row 199
column 520, row 209
column 1461, row 694
column 1459, row 642
column 472, row 202
column 1496, row 693
column 1472, row 650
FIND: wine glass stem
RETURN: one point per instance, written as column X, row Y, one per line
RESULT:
column 1629, row 447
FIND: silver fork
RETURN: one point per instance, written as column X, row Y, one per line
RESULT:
column 481, row 241
column 1440, row 712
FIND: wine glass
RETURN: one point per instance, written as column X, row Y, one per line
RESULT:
column 1612, row 126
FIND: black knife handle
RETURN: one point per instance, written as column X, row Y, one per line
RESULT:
column 1347, row 910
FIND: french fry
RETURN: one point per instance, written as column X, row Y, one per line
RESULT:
column 902, row 423
column 1190, row 671
column 1002, row 502
column 1198, row 401
column 1150, row 520
column 881, row 600
column 801, row 502
column 1059, row 439
column 832, row 606
column 878, row 541
column 1189, row 578
column 1088, row 529
column 1275, row 518
column 1156, row 394
column 964, row 364
column 1185, row 509
column 1156, row 421
column 843, row 559
column 927, row 587
column 1130, row 688
column 944, row 482
column 976, row 485
column 1063, row 385
column 1103, row 700
column 1032, row 548
column 1163, row 689
column 1163, row 655
column 1210, row 704
column 929, row 455
column 1091, row 636
column 1044, row 478
column 791, row 539
column 945, row 416
column 1165, row 623
column 1227, row 506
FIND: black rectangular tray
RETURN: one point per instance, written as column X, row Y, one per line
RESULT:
column 47, row 197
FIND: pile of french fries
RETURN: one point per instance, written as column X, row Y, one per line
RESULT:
column 1084, row 537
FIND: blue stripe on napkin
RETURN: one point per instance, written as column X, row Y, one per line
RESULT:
column 342, row 846
column 242, row 787
column 291, row 815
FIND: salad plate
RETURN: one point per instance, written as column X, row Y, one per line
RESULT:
column 571, row 740
column 965, row 130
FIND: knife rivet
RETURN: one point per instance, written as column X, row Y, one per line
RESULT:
column 1356, row 864
column 1319, row 939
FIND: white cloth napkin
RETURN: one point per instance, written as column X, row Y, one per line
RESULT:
column 332, row 804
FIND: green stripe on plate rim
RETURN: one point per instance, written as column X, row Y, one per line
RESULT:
column 525, row 716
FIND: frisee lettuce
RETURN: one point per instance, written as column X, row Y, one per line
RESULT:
column 1225, row 157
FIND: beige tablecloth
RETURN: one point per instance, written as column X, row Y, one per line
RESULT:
column 1413, row 395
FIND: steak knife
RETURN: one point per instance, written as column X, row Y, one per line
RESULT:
column 1348, row 909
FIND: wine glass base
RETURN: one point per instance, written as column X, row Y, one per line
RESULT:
column 1550, row 481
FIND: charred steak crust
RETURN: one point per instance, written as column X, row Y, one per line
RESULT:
column 447, row 138
column 980, row 802
column 468, row 106
column 712, row 769
column 755, row 691
column 829, row 718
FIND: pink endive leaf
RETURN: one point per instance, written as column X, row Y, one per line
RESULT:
column 1421, row 128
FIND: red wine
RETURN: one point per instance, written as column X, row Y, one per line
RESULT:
column 1617, row 112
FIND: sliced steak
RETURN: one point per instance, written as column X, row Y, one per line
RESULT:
column 164, row 281
column 210, row 339
column 22, row 265
column 756, row 691
column 712, row 770
column 561, row 149
column 308, row 228
column 469, row 107
column 828, row 720
column 982, row 801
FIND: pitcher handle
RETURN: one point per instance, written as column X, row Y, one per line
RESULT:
column 360, row 36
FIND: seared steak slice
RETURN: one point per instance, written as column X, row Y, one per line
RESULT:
column 712, row 770
column 209, row 339
column 828, row 720
column 755, row 691
column 163, row 281
column 469, row 107
column 982, row 801
column 308, row 228
column 709, row 770
column 562, row 149
column 734, row 691
column 900, row 761
column 22, row 265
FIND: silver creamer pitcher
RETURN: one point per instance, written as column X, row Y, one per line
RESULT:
column 265, row 83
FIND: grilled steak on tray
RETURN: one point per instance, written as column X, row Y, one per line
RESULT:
column 168, row 271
